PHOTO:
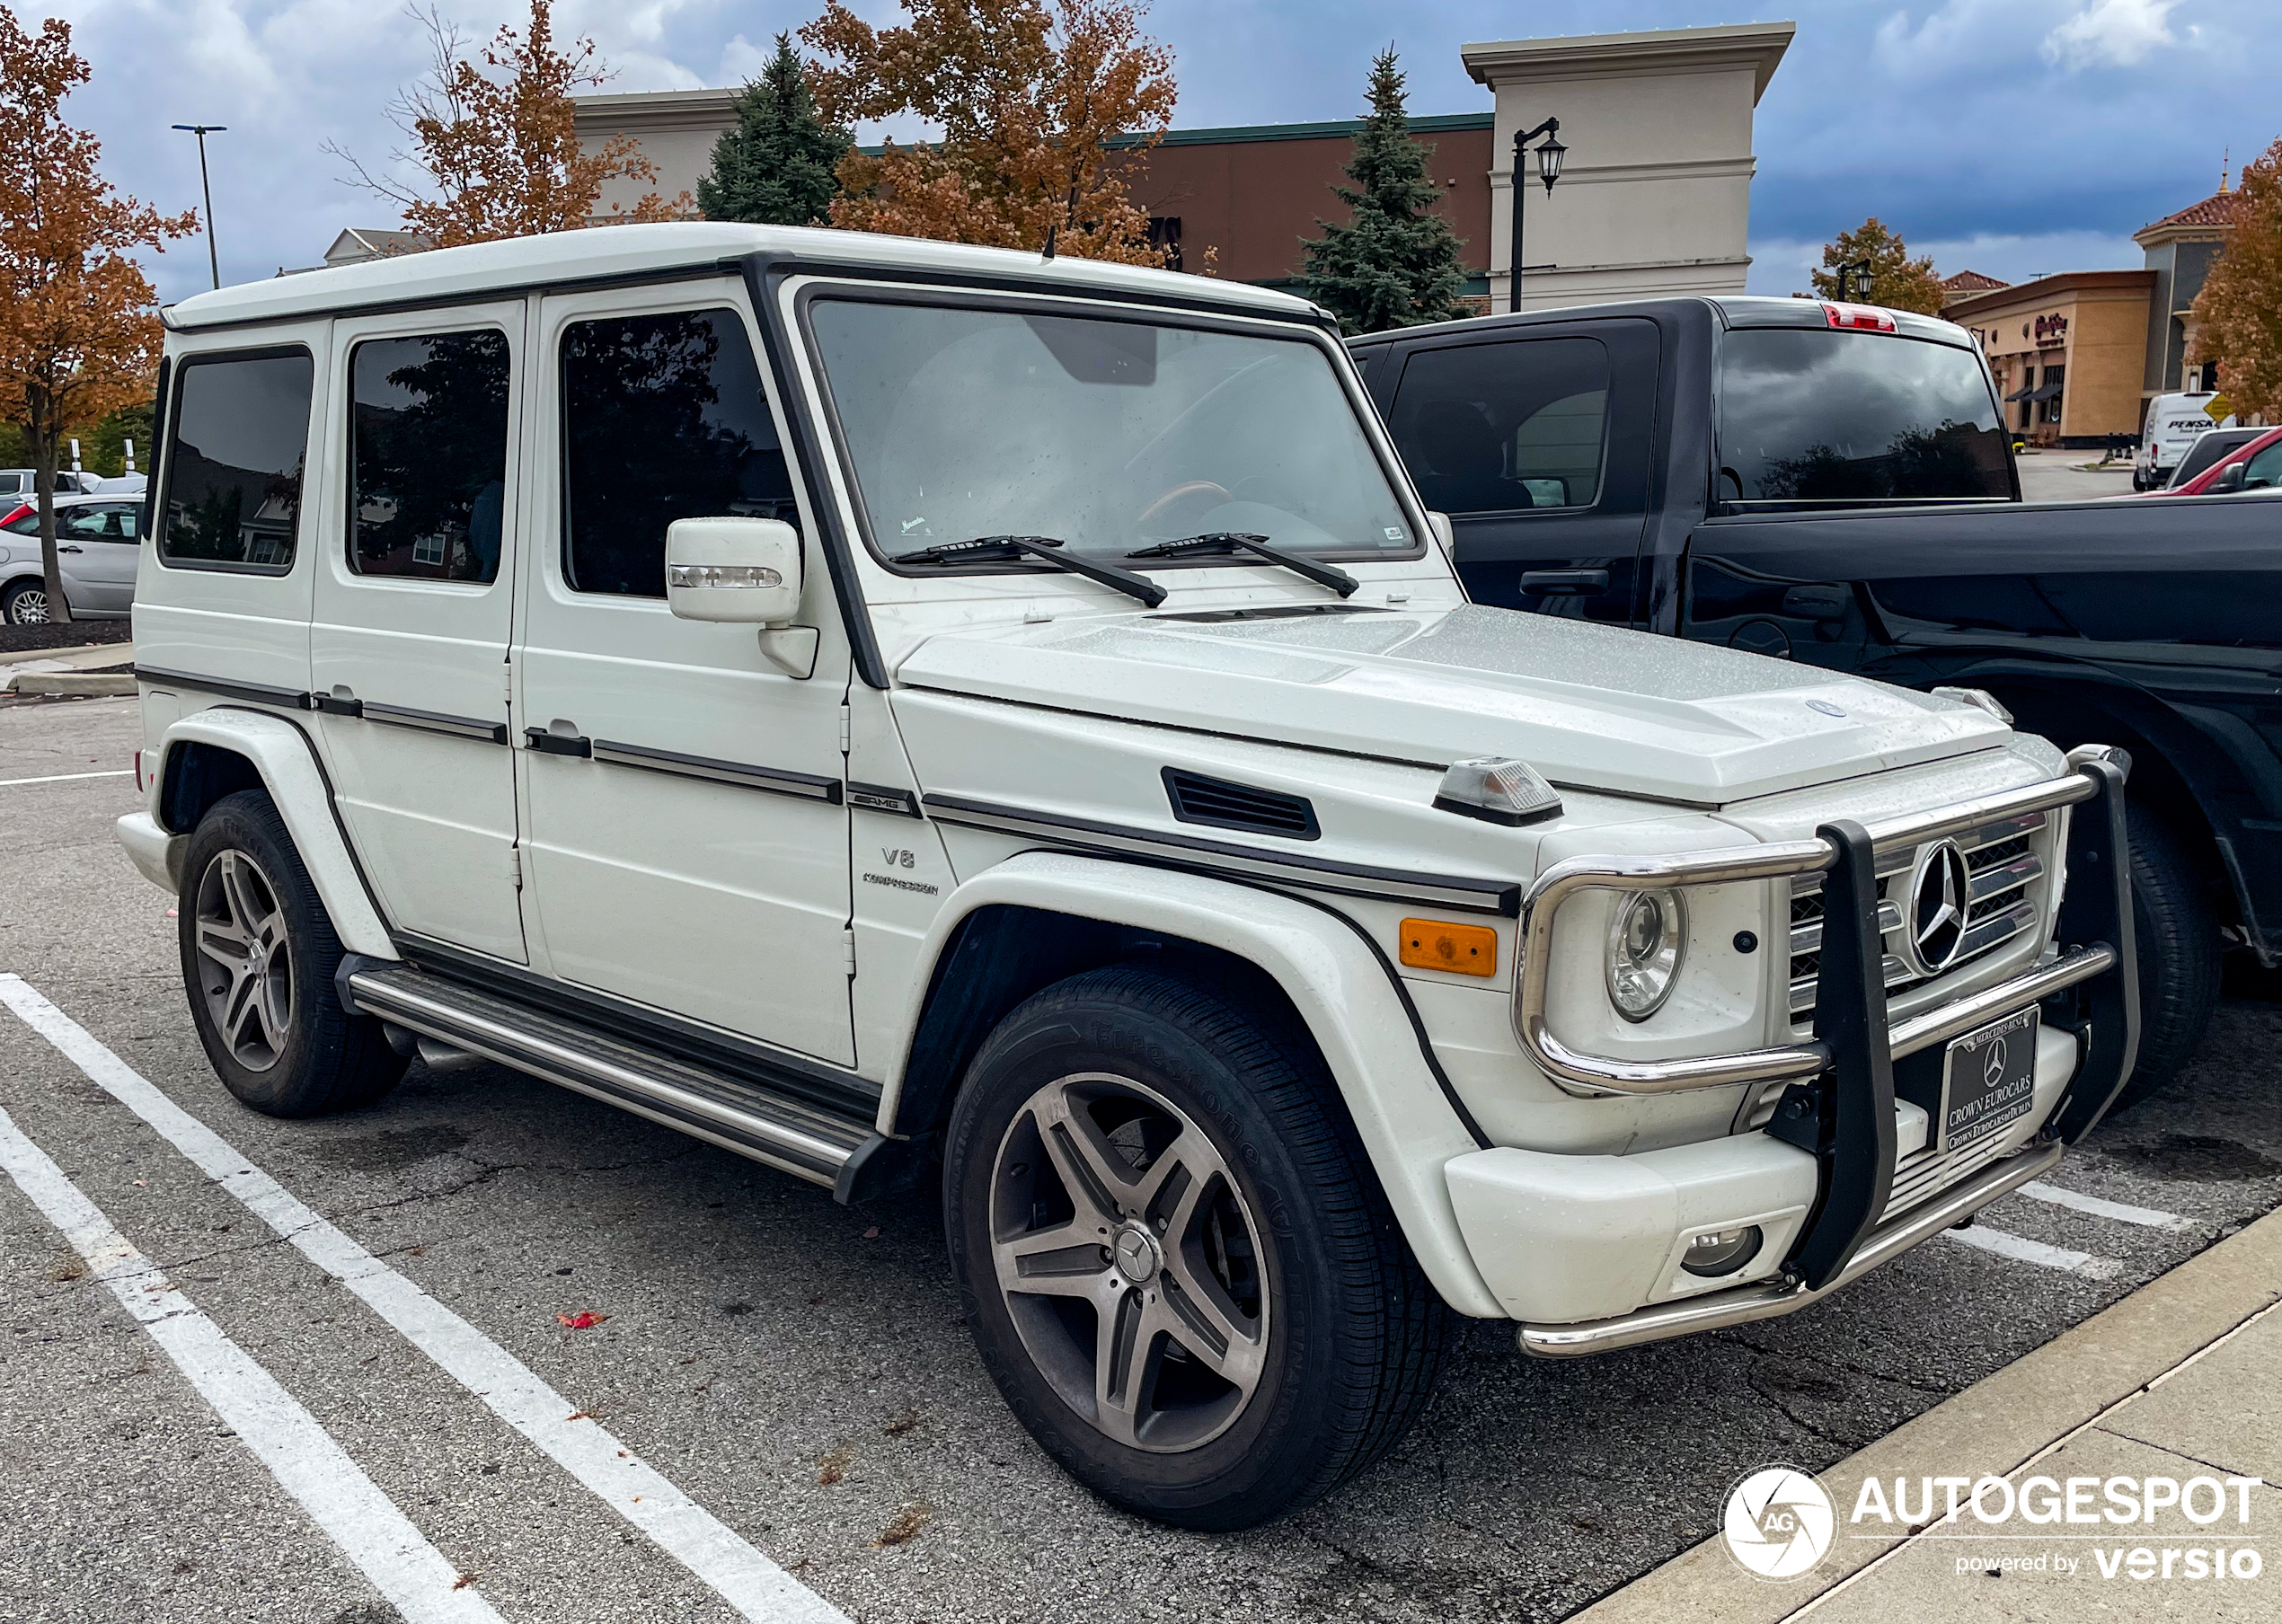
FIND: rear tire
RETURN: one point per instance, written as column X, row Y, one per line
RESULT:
column 1210, row 1362
column 25, row 604
column 259, row 954
column 2178, row 944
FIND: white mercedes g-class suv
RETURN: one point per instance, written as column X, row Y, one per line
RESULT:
column 904, row 712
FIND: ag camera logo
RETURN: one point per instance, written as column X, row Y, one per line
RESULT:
column 1779, row 1523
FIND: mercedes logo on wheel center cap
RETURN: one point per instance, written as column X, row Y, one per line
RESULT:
column 1137, row 1256
column 1934, row 929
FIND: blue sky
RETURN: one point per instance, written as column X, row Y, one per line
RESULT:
column 2013, row 137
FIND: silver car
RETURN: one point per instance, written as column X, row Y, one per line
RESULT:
column 98, row 543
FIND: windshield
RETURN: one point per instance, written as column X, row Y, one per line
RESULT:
column 1108, row 436
column 1814, row 418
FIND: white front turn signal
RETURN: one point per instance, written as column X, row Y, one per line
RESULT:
column 1497, row 791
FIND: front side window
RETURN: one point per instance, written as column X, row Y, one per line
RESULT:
column 1492, row 427
column 1815, row 417
column 1108, row 436
column 108, row 522
column 236, row 441
column 663, row 419
column 428, row 455
column 2264, row 470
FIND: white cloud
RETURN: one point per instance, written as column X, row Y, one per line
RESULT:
column 2117, row 33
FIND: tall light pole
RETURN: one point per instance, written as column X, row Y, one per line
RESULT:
column 1548, row 159
column 213, row 263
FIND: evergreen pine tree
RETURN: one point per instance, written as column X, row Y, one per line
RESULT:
column 1397, row 263
column 777, row 167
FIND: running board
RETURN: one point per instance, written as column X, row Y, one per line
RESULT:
column 841, row 1152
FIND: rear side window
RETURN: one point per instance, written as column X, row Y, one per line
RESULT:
column 1494, row 428
column 428, row 455
column 1811, row 418
column 238, row 438
column 663, row 419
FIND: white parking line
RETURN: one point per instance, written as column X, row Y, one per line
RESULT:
column 2022, row 1250
column 301, row 1455
column 59, row 778
column 2146, row 1217
column 715, row 1553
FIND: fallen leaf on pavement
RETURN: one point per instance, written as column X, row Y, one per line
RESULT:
column 465, row 1580
column 585, row 1319
column 909, row 1522
column 833, row 1467
column 872, row 1233
column 902, row 1424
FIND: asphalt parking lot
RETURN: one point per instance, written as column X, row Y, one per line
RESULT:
column 794, row 1372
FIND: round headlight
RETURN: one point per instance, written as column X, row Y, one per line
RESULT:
column 1646, row 941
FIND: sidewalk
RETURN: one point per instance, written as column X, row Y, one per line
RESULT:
column 2182, row 1379
column 68, row 672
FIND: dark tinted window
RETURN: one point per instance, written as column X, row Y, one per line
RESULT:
column 663, row 420
column 428, row 455
column 1808, row 417
column 1490, row 428
column 2210, row 449
column 2264, row 470
column 238, row 434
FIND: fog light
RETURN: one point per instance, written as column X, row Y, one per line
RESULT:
column 1722, row 1251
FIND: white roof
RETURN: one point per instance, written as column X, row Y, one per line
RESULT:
column 445, row 274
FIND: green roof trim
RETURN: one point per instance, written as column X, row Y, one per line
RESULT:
column 1434, row 124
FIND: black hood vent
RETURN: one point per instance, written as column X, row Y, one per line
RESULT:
column 1198, row 799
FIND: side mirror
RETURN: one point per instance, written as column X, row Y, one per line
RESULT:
column 2230, row 478
column 745, row 571
column 1439, row 523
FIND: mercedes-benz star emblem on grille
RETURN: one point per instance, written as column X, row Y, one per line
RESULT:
column 1934, row 929
column 1992, row 1065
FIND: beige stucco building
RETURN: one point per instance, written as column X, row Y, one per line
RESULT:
column 2068, row 352
column 1656, row 194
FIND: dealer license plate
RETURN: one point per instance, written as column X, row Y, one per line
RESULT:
column 1989, row 1081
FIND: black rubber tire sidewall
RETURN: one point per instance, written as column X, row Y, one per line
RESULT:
column 1344, row 1293
column 2177, row 940
column 332, row 1060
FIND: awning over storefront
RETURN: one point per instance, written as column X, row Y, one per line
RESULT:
column 2021, row 393
column 2045, row 391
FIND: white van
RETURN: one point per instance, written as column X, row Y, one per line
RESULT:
column 2174, row 423
column 907, row 712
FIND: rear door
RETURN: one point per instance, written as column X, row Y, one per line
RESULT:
column 407, row 643
column 1539, row 448
column 98, row 545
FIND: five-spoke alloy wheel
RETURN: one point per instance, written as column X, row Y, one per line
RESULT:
column 1128, row 1261
column 259, row 953
column 1174, row 1258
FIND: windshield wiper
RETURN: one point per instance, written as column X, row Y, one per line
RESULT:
column 1040, row 547
column 1238, row 541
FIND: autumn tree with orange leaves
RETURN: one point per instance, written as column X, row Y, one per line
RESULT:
column 2238, row 315
column 1029, row 95
column 493, row 141
column 79, row 333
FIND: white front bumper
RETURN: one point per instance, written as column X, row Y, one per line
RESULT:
column 1565, row 1238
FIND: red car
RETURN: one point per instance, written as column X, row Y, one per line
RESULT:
column 2255, row 465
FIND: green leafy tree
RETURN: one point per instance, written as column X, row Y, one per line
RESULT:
column 1396, row 263
column 1897, row 281
column 776, row 167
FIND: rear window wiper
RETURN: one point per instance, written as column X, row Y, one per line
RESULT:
column 984, row 547
column 1238, row 541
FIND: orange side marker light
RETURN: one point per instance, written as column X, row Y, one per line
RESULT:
column 1434, row 944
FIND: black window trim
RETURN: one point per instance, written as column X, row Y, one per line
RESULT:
column 511, row 470
column 948, row 293
column 1532, row 335
column 159, row 487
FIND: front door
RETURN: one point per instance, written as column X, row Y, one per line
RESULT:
column 1538, row 448
column 688, row 844
column 408, row 640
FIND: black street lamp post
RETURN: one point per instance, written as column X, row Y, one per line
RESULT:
column 1854, row 280
column 213, row 263
column 1548, row 159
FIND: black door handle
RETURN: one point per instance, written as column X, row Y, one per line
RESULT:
column 1564, row 583
column 62, row 549
column 557, row 744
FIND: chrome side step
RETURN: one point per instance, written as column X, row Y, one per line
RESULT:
column 821, row 1146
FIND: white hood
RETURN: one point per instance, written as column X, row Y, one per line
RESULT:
column 1590, row 707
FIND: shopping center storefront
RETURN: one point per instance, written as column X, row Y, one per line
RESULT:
column 2068, row 353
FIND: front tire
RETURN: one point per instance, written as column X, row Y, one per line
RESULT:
column 25, row 604
column 2178, row 945
column 1176, row 1263
column 259, row 954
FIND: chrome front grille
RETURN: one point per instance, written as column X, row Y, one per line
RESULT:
column 2001, row 860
